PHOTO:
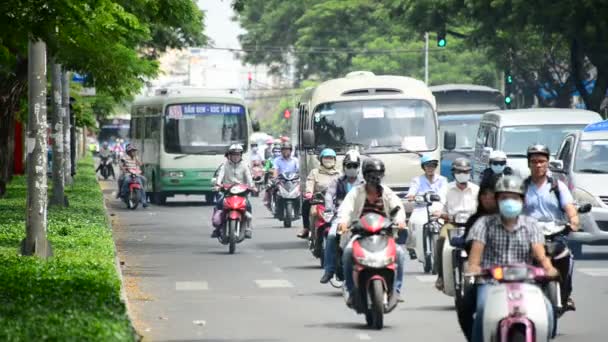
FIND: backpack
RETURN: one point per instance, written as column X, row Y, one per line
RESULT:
column 554, row 188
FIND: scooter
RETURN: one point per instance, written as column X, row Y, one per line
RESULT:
column 374, row 267
column 257, row 172
column 426, row 238
column 515, row 309
column 107, row 169
column 454, row 257
column 234, row 215
column 286, row 201
column 321, row 221
column 133, row 198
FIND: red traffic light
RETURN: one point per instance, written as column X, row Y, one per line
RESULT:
column 287, row 114
column 249, row 76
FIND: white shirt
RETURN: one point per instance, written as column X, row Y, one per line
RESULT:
column 461, row 200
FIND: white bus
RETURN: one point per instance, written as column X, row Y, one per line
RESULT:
column 182, row 136
column 392, row 118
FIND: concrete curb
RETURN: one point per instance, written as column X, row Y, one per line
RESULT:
column 123, row 293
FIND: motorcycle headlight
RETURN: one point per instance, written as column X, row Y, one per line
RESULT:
column 376, row 260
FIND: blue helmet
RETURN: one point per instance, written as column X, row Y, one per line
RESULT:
column 427, row 158
column 327, row 152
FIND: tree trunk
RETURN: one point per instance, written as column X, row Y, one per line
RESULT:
column 58, row 197
column 65, row 102
column 35, row 242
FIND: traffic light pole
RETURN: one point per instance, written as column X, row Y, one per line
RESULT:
column 426, row 58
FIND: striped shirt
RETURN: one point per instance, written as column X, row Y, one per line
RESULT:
column 130, row 163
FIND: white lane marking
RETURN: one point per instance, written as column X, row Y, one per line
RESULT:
column 363, row 337
column 191, row 286
column 273, row 283
column 277, row 270
column 594, row 272
column 267, row 262
column 426, row 278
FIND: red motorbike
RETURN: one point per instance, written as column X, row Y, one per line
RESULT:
column 257, row 172
column 234, row 215
column 374, row 267
column 322, row 223
column 133, row 198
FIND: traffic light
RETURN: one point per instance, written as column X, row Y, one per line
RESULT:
column 249, row 78
column 286, row 114
column 441, row 39
column 508, row 88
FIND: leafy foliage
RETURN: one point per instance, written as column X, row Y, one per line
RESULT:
column 75, row 295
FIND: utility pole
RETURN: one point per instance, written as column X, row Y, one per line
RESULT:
column 35, row 242
column 65, row 103
column 426, row 58
column 57, row 136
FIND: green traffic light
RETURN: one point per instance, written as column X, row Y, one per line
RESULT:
column 441, row 43
column 509, row 79
column 508, row 99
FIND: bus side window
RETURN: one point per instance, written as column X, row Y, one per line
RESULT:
column 491, row 142
column 566, row 153
column 155, row 128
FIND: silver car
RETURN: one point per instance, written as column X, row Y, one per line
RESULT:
column 582, row 163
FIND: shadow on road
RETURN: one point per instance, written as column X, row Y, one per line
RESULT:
column 276, row 246
column 183, row 204
column 303, row 267
column 333, row 294
column 343, row 325
column 594, row 256
column 430, row 308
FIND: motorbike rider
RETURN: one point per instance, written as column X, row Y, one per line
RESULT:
column 128, row 162
column 549, row 200
column 428, row 181
column 461, row 196
column 234, row 171
column 497, row 166
column 509, row 237
column 255, row 153
column 268, row 166
column 282, row 164
column 268, row 149
column 334, row 196
column 371, row 197
column 104, row 153
column 317, row 181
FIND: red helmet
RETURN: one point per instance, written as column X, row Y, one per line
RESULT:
column 284, row 139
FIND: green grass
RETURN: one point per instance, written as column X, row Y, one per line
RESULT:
column 73, row 296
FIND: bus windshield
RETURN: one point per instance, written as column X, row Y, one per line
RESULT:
column 465, row 130
column 592, row 157
column 515, row 140
column 199, row 128
column 377, row 125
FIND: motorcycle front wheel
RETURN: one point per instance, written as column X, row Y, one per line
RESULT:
column 288, row 214
column 377, row 308
column 232, row 228
column 134, row 199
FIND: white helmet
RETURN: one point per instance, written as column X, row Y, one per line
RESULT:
column 498, row 155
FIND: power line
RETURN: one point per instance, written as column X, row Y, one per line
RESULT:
column 321, row 50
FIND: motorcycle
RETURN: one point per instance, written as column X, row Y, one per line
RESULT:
column 454, row 257
column 374, row 267
column 136, row 191
column 116, row 156
column 524, row 315
column 285, row 202
column 321, row 221
column 257, row 172
column 234, row 215
column 426, row 238
column 107, row 169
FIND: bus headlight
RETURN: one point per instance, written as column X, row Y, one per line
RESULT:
column 582, row 197
column 173, row 174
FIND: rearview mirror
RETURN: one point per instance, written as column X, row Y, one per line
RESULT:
column 255, row 125
column 308, row 139
column 585, row 208
column 556, row 165
column 449, row 140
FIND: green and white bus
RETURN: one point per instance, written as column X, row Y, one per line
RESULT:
column 182, row 135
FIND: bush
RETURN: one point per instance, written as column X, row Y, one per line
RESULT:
column 73, row 296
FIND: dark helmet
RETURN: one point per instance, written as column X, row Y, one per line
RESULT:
column 461, row 164
column 512, row 184
column 286, row 145
column 538, row 149
column 372, row 165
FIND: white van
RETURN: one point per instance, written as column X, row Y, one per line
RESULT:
column 582, row 164
column 512, row 131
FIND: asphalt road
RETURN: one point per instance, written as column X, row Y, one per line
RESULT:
column 184, row 286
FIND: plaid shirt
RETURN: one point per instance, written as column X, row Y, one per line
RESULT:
column 503, row 247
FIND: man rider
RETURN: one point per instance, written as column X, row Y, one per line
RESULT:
column 506, row 238
column 234, row 171
column 334, row 196
column 497, row 167
column 131, row 162
column 317, row 181
column 461, row 196
column 428, row 181
column 283, row 164
column 104, row 153
column 371, row 197
column 549, row 200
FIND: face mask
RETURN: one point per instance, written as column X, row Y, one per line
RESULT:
column 497, row 168
column 254, row 149
column 510, row 208
column 462, row 177
column 373, row 179
column 351, row 172
column 277, row 154
column 235, row 158
column 328, row 163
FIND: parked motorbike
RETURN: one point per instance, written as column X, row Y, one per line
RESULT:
column 321, row 221
column 374, row 268
column 426, row 238
column 134, row 196
column 234, row 215
column 285, row 202
column 107, row 169
column 257, row 172
column 454, row 257
column 515, row 309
